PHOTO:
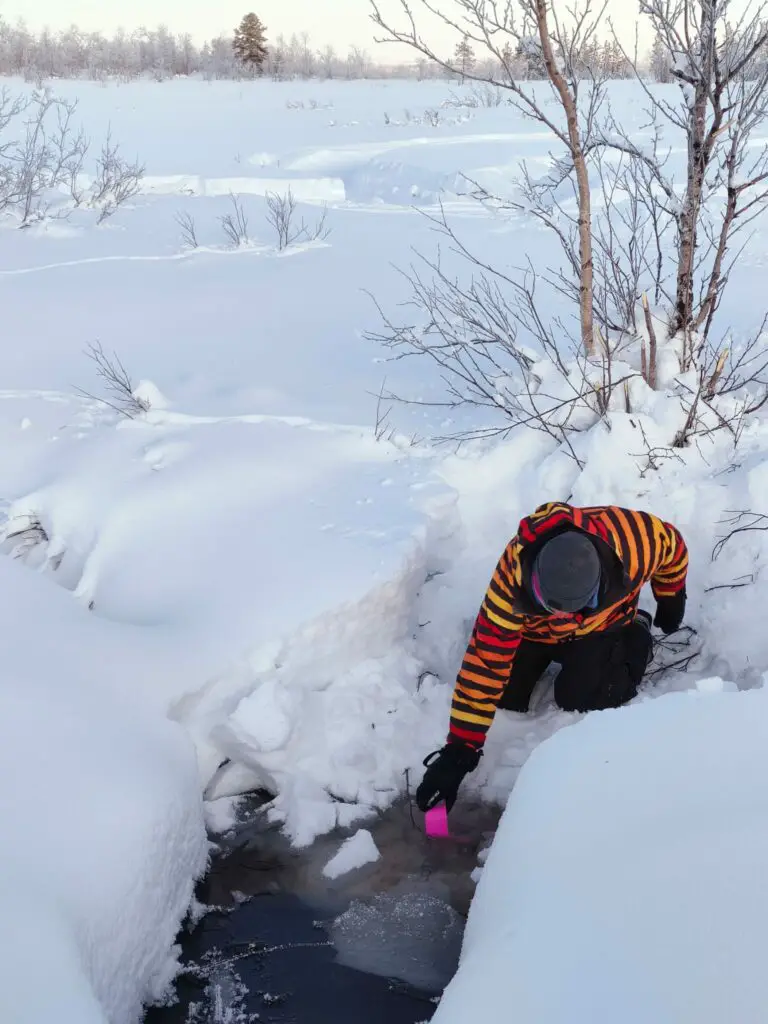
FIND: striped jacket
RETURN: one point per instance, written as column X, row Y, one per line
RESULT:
column 637, row 548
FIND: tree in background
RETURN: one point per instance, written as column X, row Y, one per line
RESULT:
column 614, row 63
column 661, row 61
column 159, row 54
column 464, row 58
column 530, row 59
column 250, row 44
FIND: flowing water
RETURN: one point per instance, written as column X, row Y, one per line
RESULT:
column 286, row 944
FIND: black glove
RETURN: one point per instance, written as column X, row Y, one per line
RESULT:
column 445, row 770
column 670, row 612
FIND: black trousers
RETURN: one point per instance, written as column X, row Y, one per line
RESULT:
column 600, row 670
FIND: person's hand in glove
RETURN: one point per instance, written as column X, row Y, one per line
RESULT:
column 446, row 769
column 670, row 612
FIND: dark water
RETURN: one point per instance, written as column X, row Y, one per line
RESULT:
column 286, row 945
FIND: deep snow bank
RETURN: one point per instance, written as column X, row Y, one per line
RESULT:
column 625, row 882
column 267, row 570
column 102, row 819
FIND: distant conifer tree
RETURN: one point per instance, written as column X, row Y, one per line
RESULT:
column 250, row 44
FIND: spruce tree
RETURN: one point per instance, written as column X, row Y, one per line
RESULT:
column 464, row 58
column 250, row 43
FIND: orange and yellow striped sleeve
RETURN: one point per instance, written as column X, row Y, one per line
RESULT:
column 488, row 661
column 671, row 569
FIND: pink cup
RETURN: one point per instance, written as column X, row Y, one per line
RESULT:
column 436, row 822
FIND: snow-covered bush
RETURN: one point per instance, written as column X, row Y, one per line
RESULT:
column 117, row 180
column 43, row 155
column 281, row 216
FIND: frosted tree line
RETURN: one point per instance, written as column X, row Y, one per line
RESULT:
column 162, row 54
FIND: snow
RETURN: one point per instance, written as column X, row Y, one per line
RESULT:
column 101, row 811
column 628, row 857
column 357, row 851
column 249, row 585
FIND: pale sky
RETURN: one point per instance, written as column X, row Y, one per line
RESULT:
column 342, row 22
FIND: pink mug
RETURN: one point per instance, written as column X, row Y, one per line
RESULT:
column 436, row 822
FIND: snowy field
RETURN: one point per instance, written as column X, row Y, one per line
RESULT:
column 245, row 586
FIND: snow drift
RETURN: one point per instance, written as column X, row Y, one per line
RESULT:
column 625, row 881
column 102, row 817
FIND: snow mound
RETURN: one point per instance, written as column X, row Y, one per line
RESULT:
column 625, row 881
column 357, row 851
column 102, row 818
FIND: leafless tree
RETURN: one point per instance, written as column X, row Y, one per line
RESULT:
column 188, row 227
column 712, row 47
column 40, row 152
column 43, row 154
column 281, row 216
column 559, row 35
column 469, row 331
column 235, row 224
column 119, row 390
column 117, row 180
column 67, row 145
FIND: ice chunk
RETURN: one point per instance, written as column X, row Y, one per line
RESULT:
column 355, row 852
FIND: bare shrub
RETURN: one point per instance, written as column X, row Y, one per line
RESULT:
column 481, row 94
column 470, row 331
column 731, row 386
column 281, row 215
column 186, row 222
column 117, row 180
column 44, row 153
column 119, row 389
column 23, row 534
column 235, row 224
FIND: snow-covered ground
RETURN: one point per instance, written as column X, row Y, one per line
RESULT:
column 625, row 881
column 247, row 558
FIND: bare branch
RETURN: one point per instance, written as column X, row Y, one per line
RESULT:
column 281, row 213
column 186, row 222
column 235, row 224
column 119, row 390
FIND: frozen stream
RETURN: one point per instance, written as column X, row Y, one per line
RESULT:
column 290, row 945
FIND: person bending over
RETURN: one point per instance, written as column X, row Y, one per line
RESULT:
column 566, row 590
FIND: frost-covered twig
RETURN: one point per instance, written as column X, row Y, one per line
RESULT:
column 118, row 387
column 186, row 222
column 281, row 213
column 737, row 584
column 470, row 332
column 674, row 646
column 235, row 224
column 740, row 522
column 23, row 533
column 117, row 180
column 382, row 429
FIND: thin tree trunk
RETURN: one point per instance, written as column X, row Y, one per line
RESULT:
column 708, row 88
column 586, row 286
column 689, row 217
column 709, row 305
